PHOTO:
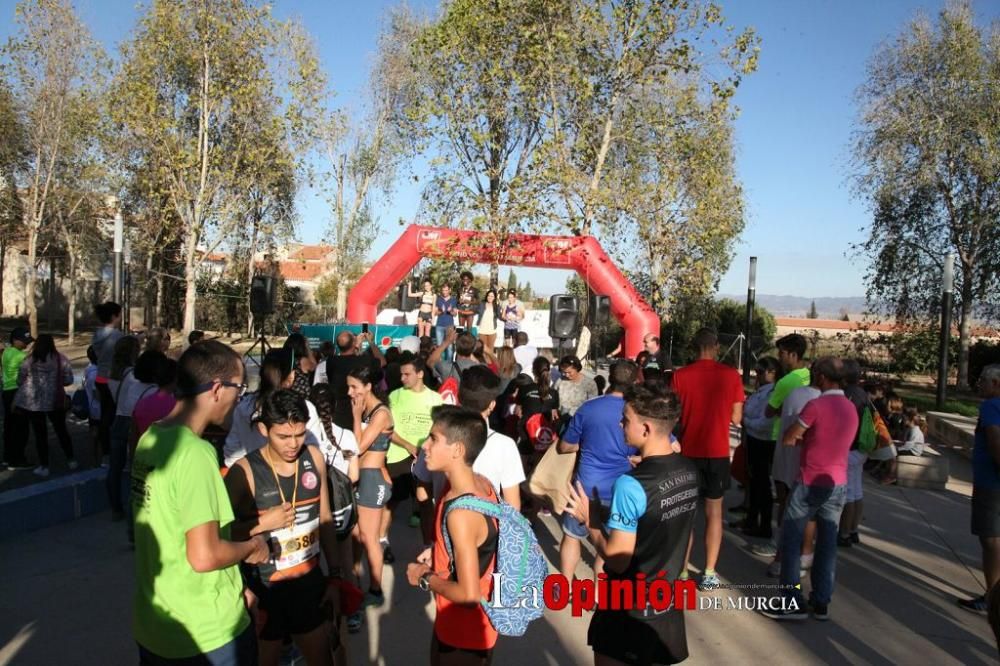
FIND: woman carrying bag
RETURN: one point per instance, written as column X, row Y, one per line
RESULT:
column 41, row 394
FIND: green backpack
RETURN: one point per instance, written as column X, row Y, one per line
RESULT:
column 867, row 439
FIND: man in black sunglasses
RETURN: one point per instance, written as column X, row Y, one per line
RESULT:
column 184, row 558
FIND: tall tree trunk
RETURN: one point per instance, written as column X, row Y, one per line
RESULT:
column 50, row 310
column 71, row 306
column 158, row 309
column 250, row 272
column 3, row 266
column 965, row 331
column 190, row 282
column 30, row 283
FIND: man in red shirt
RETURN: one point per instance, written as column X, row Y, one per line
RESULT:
column 711, row 397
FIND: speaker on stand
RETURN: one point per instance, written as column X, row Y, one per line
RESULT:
column 262, row 299
column 598, row 319
column 564, row 318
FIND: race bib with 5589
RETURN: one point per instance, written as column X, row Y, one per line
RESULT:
column 295, row 545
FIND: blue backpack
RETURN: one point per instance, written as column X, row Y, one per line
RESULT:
column 519, row 562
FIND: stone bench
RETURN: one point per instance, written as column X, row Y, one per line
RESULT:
column 930, row 470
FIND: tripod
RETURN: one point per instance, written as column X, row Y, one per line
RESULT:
column 740, row 339
column 261, row 341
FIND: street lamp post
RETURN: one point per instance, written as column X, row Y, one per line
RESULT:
column 116, row 276
column 751, row 297
column 127, row 285
column 946, row 301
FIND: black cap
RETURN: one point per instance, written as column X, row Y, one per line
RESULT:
column 23, row 334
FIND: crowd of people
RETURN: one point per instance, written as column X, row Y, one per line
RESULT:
column 292, row 537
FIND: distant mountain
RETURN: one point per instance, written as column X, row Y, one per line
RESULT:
column 827, row 307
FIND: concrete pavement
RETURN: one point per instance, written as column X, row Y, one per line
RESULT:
column 65, row 595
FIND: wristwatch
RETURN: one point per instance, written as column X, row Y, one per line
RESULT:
column 425, row 583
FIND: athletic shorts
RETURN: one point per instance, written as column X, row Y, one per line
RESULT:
column 618, row 635
column 855, row 475
column 373, row 489
column 713, row 476
column 292, row 606
column 424, row 316
column 986, row 513
column 402, row 480
column 572, row 527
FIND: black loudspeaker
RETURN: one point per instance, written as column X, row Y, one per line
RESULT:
column 262, row 295
column 599, row 313
column 564, row 316
column 405, row 302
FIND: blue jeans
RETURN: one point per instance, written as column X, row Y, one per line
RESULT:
column 805, row 503
column 439, row 333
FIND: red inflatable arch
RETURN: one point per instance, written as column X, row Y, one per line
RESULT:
column 580, row 253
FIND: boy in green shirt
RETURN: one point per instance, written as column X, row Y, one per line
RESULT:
column 15, row 431
column 189, row 600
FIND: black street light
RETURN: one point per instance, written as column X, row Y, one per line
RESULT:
column 946, row 302
column 751, row 296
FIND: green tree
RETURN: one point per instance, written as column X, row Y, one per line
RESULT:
column 511, row 281
column 13, row 156
column 477, row 108
column 640, row 139
column 198, row 83
column 812, row 314
column 55, row 69
column 925, row 160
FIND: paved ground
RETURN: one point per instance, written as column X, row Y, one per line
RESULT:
column 65, row 595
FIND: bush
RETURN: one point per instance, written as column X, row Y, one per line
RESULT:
column 982, row 354
column 726, row 316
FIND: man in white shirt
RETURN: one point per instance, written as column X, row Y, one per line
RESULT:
column 524, row 353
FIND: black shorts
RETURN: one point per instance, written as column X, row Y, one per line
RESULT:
column 713, row 476
column 618, row 635
column 291, row 606
column 985, row 513
column 424, row 316
column 510, row 333
column 402, row 480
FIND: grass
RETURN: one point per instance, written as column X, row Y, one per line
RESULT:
column 925, row 400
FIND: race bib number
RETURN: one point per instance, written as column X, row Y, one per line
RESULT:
column 295, row 545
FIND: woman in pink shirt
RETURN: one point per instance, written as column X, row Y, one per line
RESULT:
column 156, row 405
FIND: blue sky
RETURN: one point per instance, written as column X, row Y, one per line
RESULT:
column 792, row 134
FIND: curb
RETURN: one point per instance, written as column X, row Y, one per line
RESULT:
column 52, row 502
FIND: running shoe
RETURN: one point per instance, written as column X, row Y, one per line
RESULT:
column 976, row 605
column 820, row 611
column 373, row 599
column 785, row 614
column 855, row 537
column 774, row 569
column 354, row 622
column 41, row 471
column 764, row 549
column 709, row 582
column 387, row 555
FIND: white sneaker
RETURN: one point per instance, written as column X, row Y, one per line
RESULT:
column 72, row 464
column 41, row 471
